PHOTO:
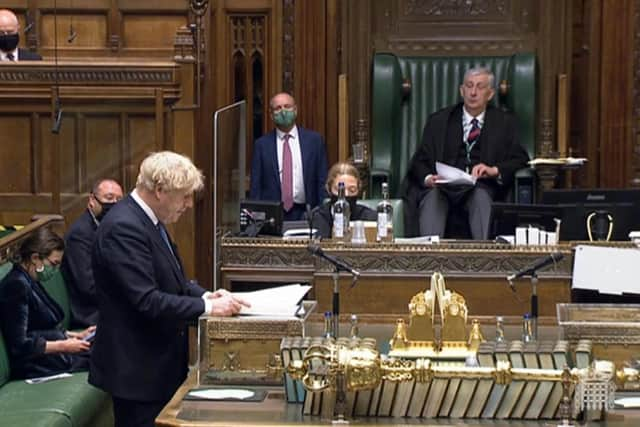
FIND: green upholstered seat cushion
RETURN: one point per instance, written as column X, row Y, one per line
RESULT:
column 5, row 268
column 73, row 397
column 36, row 419
column 398, row 213
column 397, row 124
column 58, row 291
column 5, row 370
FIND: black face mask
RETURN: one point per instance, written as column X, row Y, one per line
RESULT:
column 9, row 42
column 352, row 200
column 106, row 207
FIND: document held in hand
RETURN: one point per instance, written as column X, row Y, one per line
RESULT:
column 450, row 175
column 281, row 301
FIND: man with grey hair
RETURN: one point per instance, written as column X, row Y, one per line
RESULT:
column 472, row 136
column 140, row 352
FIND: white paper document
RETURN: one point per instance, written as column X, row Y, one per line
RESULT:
column 220, row 394
column 282, row 301
column 450, row 175
column 608, row 270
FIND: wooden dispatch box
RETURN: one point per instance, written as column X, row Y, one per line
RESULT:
column 614, row 329
column 245, row 349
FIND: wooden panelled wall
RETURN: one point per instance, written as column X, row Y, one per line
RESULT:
column 254, row 48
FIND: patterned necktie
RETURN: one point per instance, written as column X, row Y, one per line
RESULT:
column 10, row 56
column 287, row 174
column 472, row 139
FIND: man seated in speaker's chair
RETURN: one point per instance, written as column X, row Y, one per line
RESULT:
column 472, row 136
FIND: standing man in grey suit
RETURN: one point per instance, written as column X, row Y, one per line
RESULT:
column 140, row 352
column 472, row 136
column 9, row 39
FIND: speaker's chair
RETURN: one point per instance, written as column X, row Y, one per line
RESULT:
column 406, row 90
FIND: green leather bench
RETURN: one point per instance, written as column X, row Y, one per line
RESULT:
column 67, row 402
column 398, row 114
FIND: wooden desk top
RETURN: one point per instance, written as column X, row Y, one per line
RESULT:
column 274, row 411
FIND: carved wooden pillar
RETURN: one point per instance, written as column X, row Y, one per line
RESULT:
column 554, row 57
column 635, row 177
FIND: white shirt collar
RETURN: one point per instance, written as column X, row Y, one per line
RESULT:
column 466, row 117
column 145, row 207
column 3, row 55
column 293, row 132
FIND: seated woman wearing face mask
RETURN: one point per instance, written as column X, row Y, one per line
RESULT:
column 346, row 173
column 30, row 318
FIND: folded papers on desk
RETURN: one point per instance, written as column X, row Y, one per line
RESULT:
column 227, row 394
column 281, row 301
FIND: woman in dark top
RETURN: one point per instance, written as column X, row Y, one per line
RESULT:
column 30, row 318
column 321, row 217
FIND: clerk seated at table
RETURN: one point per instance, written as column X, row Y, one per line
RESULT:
column 321, row 217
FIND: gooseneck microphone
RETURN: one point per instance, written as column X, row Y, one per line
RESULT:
column 338, row 263
column 541, row 263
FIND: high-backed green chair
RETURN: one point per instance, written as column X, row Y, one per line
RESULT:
column 407, row 89
column 398, row 213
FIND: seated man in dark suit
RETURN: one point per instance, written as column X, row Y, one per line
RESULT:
column 474, row 137
column 9, row 39
column 76, row 264
column 289, row 163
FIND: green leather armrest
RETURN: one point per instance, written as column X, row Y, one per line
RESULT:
column 386, row 100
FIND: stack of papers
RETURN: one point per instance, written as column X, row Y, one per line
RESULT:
column 282, row 301
column 450, row 175
column 563, row 161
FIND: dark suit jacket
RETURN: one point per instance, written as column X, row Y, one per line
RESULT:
column 29, row 317
column 322, row 220
column 265, row 176
column 140, row 350
column 77, row 272
column 441, row 140
column 27, row 55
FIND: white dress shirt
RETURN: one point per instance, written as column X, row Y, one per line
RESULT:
column 296, row 158
column 3, row 55
column 208, row 303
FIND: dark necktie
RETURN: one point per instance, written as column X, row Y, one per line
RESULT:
column 10, row 57
column 165, row 237
column 287, row 175
column 472, row 139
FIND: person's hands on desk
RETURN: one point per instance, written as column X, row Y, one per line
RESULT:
column 225, row 303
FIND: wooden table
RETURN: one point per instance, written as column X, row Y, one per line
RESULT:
column 391, row 274
column 274, row 411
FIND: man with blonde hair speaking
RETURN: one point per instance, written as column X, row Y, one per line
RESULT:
column 140, row 352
